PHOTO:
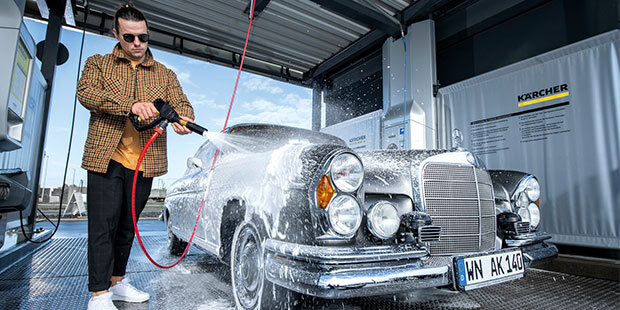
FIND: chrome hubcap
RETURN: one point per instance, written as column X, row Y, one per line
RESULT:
column 247, row 273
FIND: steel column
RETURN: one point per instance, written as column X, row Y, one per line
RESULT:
column 317, row 90
column 48, row 69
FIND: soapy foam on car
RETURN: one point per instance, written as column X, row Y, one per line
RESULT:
column 270, row 166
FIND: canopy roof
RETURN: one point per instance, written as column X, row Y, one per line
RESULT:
column 298, row 41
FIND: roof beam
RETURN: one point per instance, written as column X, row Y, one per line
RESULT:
column 362, row 14
column 258, row 7
column 348, row 54
column 420, row 8
column 96, row 23
column 414, row 12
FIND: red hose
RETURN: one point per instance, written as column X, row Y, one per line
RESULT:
column 159, row 131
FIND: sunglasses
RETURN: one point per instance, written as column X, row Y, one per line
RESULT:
column 129, row 38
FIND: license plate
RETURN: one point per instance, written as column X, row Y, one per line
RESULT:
column 478, row 271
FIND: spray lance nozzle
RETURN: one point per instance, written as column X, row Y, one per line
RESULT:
column 166, row 113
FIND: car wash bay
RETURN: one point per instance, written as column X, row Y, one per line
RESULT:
column 351, row 56
column 52, row 276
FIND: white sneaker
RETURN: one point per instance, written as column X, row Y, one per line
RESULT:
column 123, row 291
column 101, row 302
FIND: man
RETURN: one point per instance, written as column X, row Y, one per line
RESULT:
column 112, row 86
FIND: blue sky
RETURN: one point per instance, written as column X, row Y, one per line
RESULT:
column 208, row 86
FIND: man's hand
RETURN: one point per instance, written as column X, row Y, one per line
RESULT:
column 182, row 130
column 144, row 110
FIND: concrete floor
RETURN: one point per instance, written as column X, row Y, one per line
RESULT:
column 54, row 276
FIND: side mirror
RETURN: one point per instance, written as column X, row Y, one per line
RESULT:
column 193, row 162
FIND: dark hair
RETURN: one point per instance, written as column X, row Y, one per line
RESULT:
column 129, row 12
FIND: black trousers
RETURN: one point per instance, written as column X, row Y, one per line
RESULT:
column 110, row 224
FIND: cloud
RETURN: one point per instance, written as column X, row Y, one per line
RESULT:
column 167, row 65
column 184, row 77
column 262, row 84
column 292, row 110
column 259, row 105
column 193, row 61
column 202, row 99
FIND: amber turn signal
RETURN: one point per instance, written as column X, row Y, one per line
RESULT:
column 324, row 192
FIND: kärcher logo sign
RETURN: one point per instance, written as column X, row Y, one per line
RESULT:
column 544, row 94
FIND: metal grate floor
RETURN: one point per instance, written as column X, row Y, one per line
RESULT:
column 55, row 277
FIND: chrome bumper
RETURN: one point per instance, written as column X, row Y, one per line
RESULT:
column 535, row 250
column 344, row 272
column 527, row 239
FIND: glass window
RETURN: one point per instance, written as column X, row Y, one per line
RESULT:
column 205, row 153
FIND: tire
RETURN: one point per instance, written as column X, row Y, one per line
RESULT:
column 251, row 289
column 175, row 245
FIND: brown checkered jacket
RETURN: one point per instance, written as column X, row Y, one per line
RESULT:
column 108, row 87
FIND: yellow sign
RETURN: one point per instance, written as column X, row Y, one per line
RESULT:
column 560, row 95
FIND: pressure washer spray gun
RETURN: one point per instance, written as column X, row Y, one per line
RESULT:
column 166, row 115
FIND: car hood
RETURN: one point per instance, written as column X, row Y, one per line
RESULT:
column 389, row 171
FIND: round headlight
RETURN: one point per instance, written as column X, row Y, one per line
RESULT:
column 525, row 215
column 347, row 172
column 383, row 220
column 534, row 215
column 345, row 215
column 522, row 201
column 532, row 189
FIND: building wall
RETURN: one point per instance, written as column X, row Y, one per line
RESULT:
column 525, row 32
column 472, row 40
column 355, row 91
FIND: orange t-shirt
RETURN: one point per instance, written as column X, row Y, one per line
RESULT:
column 129, row 148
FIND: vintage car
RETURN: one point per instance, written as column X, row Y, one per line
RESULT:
column 298, row 212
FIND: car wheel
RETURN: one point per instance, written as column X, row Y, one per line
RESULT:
column 175, row 245
column 251, row 289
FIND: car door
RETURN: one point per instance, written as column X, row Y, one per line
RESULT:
column 201, row 184
column 196, row 175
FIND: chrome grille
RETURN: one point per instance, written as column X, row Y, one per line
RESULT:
column 487, row 224
column 459, row 198
column 467, row 226
column 489, row 240
column 444, row 207
column 429, row 233
column 522, row 227
column 451, row 190
column 487, row 207
column 459, row 173
column 448, row 245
